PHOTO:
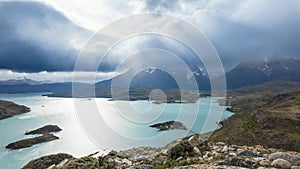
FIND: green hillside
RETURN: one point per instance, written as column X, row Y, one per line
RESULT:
column 268, row 117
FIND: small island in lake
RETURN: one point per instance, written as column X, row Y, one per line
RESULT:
column 45, row 137
column 45, row 130
column 169, row 125
column 9, row 109
column 31, row 141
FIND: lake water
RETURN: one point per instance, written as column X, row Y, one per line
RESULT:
column 116, row 115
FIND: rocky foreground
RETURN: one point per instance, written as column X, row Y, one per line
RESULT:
column 187, row 153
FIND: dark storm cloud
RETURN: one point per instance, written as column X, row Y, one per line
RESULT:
column 35, row 37
column 242, row 30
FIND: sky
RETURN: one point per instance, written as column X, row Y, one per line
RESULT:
column 42, row 39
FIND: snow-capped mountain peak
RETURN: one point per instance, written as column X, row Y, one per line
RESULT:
column 20, row 80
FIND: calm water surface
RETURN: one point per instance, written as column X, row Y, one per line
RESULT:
column 73, row 140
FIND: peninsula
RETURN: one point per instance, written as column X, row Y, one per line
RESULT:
column 9, row 109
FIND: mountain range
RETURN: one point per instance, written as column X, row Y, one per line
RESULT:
column 245, row 74
column 257, row 72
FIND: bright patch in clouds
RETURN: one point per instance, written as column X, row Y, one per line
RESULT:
column 91, row 14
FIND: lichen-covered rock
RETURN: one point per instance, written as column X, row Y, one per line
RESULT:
column 248, row 153
column 293, row 159
column 243, row 163
column 281, row 163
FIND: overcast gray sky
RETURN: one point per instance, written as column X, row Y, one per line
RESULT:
column 42, row 39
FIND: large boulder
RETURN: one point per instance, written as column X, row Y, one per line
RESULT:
column 281, row 163
column 293, row 159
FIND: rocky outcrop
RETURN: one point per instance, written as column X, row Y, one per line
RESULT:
column 281, row 163
column 9, row 109
column 169, row 125
column 45, row 130
column 191, row 153
column 293, row 159
column 31, row 141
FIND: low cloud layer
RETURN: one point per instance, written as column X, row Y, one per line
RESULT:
column 56, row 76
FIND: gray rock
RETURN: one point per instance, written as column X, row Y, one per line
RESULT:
column 220, row 144
column 293, row 159
column 262, row 161
column 187, row 167
column 191, row 138
column 276, row 155
column 242, row 163
column 179, row 158
column 295, row 167
column 196, row 151
column 249, row 153
column 143, row 166
column 126, row 162
column 281, row 163
column 225, row 149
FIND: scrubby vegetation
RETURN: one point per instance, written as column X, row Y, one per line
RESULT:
column 190, row 152
column 268, row 117
column 46, row 161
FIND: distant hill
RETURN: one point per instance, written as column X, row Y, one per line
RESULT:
column 26, row 85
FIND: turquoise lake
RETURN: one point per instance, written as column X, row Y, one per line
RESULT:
column 75, row 139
